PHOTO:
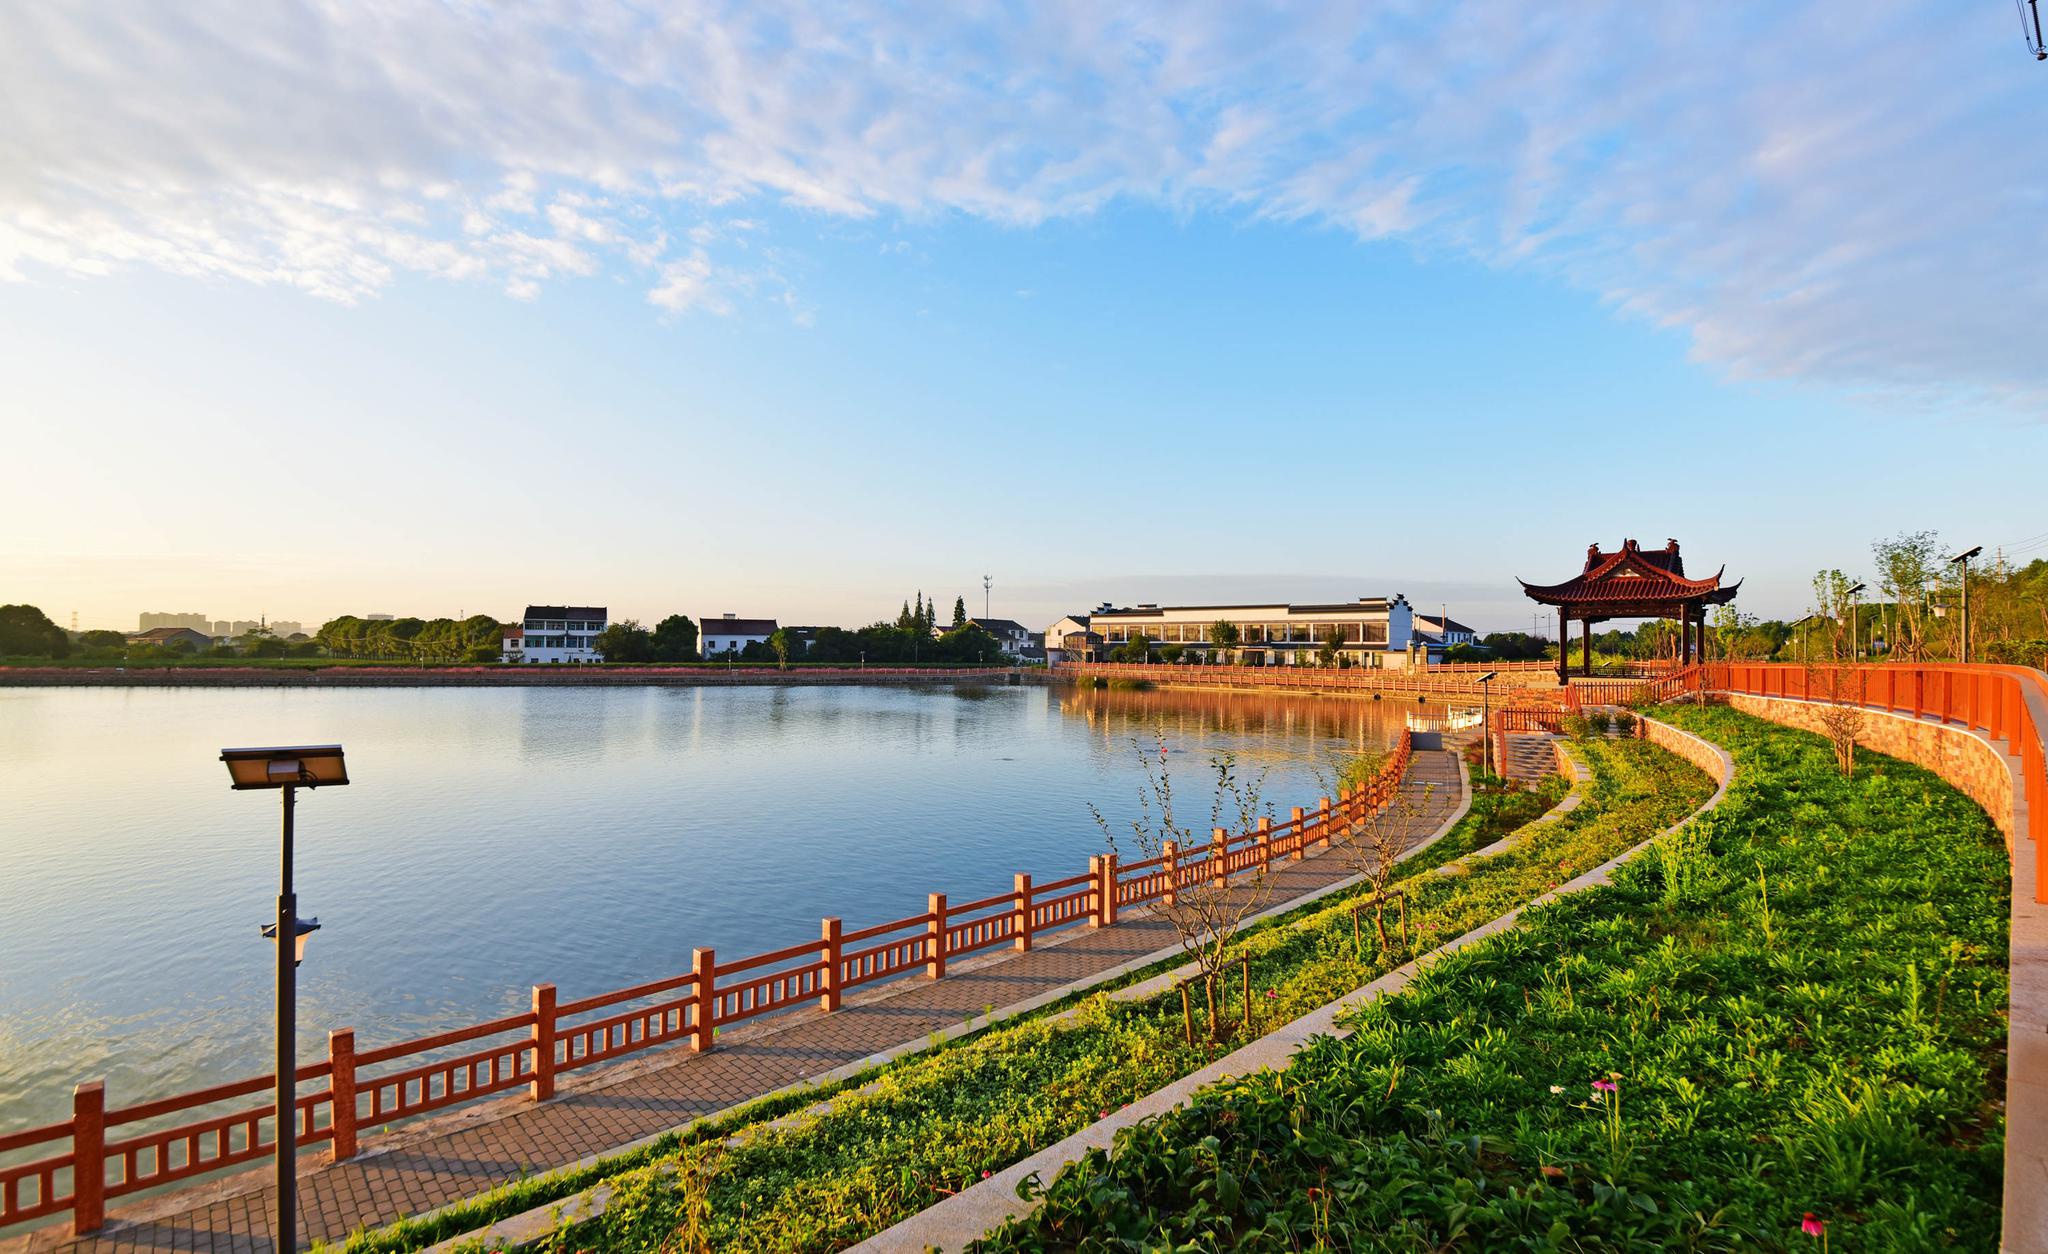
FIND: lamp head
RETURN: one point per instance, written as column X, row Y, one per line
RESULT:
column 301, row 929
column 1964, row 557
column 291, row 766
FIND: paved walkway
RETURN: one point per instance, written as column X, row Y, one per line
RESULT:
column 416, row 1170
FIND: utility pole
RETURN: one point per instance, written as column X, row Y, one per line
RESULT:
column 988, row 582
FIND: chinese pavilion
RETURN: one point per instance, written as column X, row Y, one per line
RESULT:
column 1631, row 583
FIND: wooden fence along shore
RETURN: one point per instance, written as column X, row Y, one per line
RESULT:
column 104, row 1152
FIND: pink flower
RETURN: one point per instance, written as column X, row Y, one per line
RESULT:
column 1812, row 1225
column 1102, row 1114
column 1272, row 992
column 984, row 1173
column 1604, row 1086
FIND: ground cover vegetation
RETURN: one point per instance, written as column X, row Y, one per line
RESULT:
column 940, row 1121
column 1781, row 1027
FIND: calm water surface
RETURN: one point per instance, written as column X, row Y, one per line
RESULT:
column 497, row 838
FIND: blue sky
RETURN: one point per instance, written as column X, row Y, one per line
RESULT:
column 443, row 308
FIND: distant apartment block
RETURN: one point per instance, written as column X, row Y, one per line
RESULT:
column 1371, row 631
column 729, row 632
column 553, row 635
column 151, row 621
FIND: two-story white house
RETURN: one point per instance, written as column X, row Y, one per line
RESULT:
column 1012, row 637
column 1445, row 631
column 554, row 635
column 731, row 632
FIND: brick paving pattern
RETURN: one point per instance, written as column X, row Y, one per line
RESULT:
column 520, row 1138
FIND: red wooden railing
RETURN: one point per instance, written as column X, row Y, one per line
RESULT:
column 83, row 1167
column 1322, row 679
column 1991, row 699
column 1581, row 693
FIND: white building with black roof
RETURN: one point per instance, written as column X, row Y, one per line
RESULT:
column 1371, row 631
column 731, row 633
column 556, row 635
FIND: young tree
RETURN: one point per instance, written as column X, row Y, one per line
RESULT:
column 782, row 642
column 1373, row 846
column 1906, row 565
column 1331, row 644
column 959, row 612
column 1836, row 681
column 1205, row 913
column 1223, row 635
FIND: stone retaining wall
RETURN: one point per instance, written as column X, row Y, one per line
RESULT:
column 1970, row 763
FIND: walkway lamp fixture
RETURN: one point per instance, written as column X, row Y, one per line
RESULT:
column 287, row 769
column 1486, row 722
column 1855, row 596
column 1963, row 560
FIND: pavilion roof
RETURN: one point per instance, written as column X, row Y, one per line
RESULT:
column 1630, row 579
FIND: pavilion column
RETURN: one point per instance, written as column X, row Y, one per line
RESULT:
column 1564, row 646
column 1586, row 647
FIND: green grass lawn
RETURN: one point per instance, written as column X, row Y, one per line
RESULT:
column 937, row 1122
column 1799, row 1004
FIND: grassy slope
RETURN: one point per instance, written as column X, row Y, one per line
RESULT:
column 939, row 1124
column 1801, row 1001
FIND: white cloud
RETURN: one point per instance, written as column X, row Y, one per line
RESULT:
column 1845, row 194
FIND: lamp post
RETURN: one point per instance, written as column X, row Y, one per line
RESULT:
column 1486, row 722
column 1963, row 560
column 1855, row 624
column 287, row 769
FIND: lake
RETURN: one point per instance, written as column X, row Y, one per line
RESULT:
column 495, row 838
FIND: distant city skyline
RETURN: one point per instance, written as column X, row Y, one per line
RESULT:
column 1157, row 305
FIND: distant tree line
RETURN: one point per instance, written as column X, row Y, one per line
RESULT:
column 913, row 638
column 477, row 638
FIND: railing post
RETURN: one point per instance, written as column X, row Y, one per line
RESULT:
column 935, row 936
column 704, row 970
column 1108, row 889
column 1022, row 887
column 1219, row 856
column 88, row 1157
column 1323, row 823
column 1263, row 842
column 1170, row 855
column 829, row 932
column 1299, row 817
column 542, row 1086
column 341, row 1091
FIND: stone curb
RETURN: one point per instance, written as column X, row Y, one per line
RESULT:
column 973, row 1211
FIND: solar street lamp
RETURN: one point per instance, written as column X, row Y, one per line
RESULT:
column 1486, row 722
column 287, row 769
column 1855, row 595
column 1963, row 560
